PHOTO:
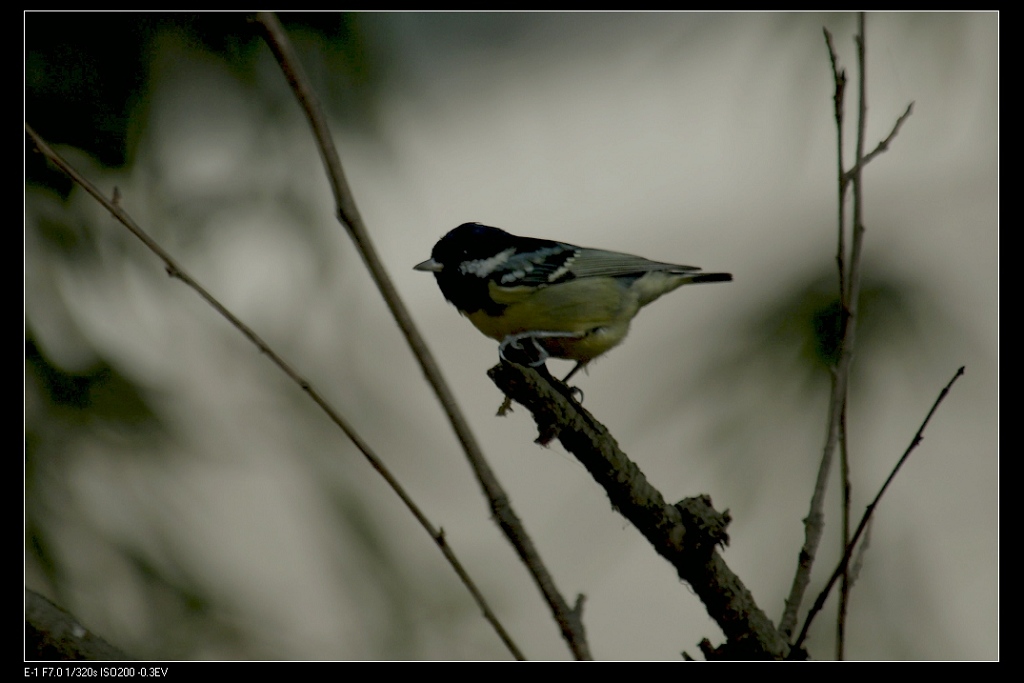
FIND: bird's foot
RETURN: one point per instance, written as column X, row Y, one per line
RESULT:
column 525, row 348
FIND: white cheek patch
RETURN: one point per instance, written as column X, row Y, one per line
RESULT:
column 484, row 267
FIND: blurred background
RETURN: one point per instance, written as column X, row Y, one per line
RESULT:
column 186, row 501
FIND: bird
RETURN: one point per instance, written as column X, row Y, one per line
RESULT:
column 545, row 299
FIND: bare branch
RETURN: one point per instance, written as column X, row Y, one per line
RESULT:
column 176, row 271
column 849, row 294
column 882, row 146
column 53, row 634
column 839, row 80
column 870, row 510
column 838, row 75
column 348, row 214
column 686, row 534
column 847, row 491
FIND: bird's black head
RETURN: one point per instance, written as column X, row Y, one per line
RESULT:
column 470, row 242
column 466, row 244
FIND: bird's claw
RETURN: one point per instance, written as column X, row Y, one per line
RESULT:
column 522, row 349
column 525, row 348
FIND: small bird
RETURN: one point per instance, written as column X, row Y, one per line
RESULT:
column 541, row 298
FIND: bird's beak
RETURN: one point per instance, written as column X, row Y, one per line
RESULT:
column 430, row 265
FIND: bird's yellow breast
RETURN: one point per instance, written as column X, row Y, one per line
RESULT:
column 595, row 311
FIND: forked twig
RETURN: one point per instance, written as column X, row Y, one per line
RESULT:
column 849, row 294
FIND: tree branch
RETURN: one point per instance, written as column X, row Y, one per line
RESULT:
column 176, row 271
column 53, row 634
column 882, row 146
column 567, row 619
column 686, row 534
column 869, row 511
column 849, row 298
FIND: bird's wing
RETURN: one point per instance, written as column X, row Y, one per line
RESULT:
column 546, row 265
column 600, row 263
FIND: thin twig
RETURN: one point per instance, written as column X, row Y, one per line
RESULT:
column 176, row 271
column 849, row 295
column 839, row 79
column 815, row 520
column 568, row 620
column 869, row 511
column 847, row 584
column 882, row 146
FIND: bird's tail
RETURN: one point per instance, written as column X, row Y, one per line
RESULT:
column 710, row 277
